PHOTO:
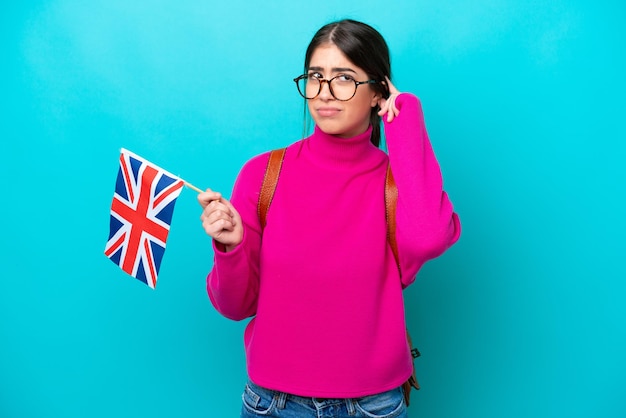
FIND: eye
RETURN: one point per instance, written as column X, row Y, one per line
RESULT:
column 315, row 76
column 344, row 78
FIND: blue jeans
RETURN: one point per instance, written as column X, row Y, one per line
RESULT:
column 261, row 402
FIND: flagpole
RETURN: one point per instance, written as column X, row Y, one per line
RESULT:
column 192, row 187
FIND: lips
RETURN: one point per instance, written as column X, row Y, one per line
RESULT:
column 327, row 111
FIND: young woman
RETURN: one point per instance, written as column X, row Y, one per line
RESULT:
column 320, row 280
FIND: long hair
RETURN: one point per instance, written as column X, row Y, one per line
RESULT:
column 367, row 49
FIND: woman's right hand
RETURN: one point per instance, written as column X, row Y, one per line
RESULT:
column 220, row 219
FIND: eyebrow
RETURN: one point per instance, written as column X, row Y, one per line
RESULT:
column 333, row 70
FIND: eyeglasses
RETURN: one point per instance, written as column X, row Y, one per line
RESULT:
column 342, row 87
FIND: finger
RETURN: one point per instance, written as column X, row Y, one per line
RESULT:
column 216, row 225
column 216, row 210
column 233, row 212
column 383, row 107
column 222, row 225
column 392, row 109
column 207, row 197
column 386, row 109
column 385, row 104
column 392, row 88
column 223, row 230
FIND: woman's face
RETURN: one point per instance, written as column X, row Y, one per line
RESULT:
column 342, row 118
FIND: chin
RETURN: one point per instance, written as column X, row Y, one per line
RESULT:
column 327, row 127
column 332, row 128
column 330, row 131
column 342, row 131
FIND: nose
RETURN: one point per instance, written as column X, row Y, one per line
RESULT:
column 325, row 93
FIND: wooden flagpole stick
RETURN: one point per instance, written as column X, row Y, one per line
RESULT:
column 192, row 187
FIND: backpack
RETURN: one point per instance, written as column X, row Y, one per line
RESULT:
column 270, row 180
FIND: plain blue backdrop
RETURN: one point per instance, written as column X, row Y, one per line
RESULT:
column 524, row 102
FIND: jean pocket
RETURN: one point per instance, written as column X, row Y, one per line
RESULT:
column 384, row 405
column 258, row 401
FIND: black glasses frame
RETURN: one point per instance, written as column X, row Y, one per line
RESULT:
column 330, row 88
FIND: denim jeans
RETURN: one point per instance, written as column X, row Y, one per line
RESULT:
column 261, row 402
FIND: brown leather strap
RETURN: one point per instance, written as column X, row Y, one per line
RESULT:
column 269, row 183
column 391, row 203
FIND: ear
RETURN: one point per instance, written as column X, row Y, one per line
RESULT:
column 375, row 99
column 387, row 93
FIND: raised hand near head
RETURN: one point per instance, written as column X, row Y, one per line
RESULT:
column 388, row 106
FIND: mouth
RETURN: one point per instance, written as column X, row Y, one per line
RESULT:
column 327, row 111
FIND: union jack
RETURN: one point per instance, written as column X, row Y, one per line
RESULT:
column 141, row 214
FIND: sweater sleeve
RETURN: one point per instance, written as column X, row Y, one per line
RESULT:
column 233, row 283
column 425, row 219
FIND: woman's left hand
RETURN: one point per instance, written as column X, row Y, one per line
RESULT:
column 388, row 105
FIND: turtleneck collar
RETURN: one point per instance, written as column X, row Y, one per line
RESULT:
column 334, row 151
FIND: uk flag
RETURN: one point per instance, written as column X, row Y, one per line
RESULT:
column 141, row 214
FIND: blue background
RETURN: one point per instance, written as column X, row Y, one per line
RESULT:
column 524, row 102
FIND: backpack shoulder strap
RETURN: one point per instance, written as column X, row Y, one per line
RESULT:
column 272, row 172
column 391, row 203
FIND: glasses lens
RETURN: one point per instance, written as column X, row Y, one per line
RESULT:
column 308, row 87
column 343, row 88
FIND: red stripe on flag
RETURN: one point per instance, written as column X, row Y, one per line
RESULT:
column 111, row 250
column 165, row 194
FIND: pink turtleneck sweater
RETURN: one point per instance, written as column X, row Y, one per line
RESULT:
column 321, row 282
